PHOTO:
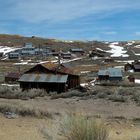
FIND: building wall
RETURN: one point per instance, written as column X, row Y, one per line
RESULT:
column 115, row 78
column 103, row 77
column 49, row 87
column 10, row 79
column 73, row 81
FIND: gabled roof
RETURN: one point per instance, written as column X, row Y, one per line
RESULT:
column 55, row 68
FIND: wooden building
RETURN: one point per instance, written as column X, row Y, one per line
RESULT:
column 12, row 77
column 111, row 74
column 97, row 53
column 13, row 55
column 77, row 51
column 131, row 78
column 51, row 77
column 136, row 67
column 1, row 54
column 128, row 67
column 133, row 66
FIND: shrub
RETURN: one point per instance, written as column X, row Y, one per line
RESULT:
column 136, row 97
column 68, row 94
column 117, row 98
column 78, row 127
column 23, row 110
column 102, row 95
column 17, row 93
column 136, row 139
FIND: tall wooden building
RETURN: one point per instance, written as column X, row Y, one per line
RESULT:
column 51, row 77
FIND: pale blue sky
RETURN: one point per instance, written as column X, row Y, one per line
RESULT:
column 72, row 19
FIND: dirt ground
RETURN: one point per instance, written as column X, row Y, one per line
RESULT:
column 26, row 128
column 92, row 107
column 29, row 128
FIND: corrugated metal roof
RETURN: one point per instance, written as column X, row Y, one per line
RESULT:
column 77, row 49
column 102, row 72
column 111, row 72
column 48, row 78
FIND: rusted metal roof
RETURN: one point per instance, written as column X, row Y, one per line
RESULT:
column 58, row 69
column 49, row 65
column 44, row 78
column 65, row 70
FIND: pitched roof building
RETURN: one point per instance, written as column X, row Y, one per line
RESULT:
column 111, row 74
column 51, row 77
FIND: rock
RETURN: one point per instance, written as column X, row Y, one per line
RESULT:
column 10, row 115
column 118, row 132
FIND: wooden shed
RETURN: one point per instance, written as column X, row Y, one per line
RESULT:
column 51, row 77
column 134, row 66
column 111, row 74
column 12, row 77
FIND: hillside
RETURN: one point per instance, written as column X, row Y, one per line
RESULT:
column 118, row 50
column 17, row 40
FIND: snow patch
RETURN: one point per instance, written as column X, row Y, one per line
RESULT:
column 124, row 61
column 6, row 49
column 137, row 46
column 119, row 67
column 137, row 81
column 85, row 72
column 11, row 85
column 100, row 49
column 130, row 43
column 117, row 51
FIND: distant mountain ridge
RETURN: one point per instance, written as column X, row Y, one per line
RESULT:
column 18, row 40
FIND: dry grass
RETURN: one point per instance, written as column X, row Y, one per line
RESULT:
column 23, row 110
column 78, row 127
column 17, row 93
column 68, row 94
column 136, row 139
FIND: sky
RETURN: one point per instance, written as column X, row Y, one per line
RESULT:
column 106, row 20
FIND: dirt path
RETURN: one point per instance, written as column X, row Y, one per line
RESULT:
column 21, row 128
